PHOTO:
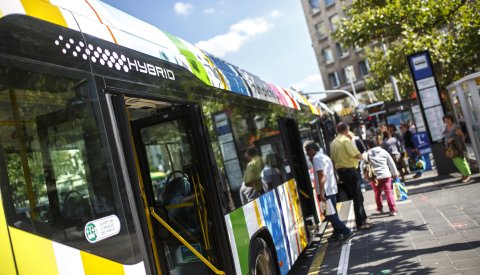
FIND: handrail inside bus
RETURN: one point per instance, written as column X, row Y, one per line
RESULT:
column 184, row 242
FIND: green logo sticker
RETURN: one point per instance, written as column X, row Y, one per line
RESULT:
column 102, row 228
column 91, row 232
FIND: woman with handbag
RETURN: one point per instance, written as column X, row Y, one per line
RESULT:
column 384, row 169
column 456, row 148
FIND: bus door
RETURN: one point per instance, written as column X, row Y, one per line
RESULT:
column 318, row 135
column 172, row 165
column 294, row 148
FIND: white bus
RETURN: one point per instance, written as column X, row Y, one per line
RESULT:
column 123, row 151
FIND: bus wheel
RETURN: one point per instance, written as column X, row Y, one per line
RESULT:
column 261, row 259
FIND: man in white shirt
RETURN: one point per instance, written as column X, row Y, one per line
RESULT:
column 326, row 187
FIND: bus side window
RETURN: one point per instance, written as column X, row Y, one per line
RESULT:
column 54, row 163
column 250, row 148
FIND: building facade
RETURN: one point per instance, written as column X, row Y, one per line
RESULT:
column 341, row 67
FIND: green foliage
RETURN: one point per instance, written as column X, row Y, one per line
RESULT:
column 65, row 168
column 448, row 29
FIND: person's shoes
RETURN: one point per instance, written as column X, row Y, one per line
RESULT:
column 465, row 179
column 417, row 176
column 348, row 237
column 378, row 212
column 335, row 237
column 393, row 213
column 365, row 226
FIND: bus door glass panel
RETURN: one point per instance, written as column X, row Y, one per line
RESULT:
column 300, row 168
column 173, row 167
column 73, row 168
column 64, row 155
column 474, row 110
column 54, row 175
column 251, row 149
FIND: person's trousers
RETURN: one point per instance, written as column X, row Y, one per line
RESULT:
column 462, row 166
column 350, row 179
column 338, row 226
column 386, row 186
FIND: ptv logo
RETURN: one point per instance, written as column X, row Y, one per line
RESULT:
column 111, row 59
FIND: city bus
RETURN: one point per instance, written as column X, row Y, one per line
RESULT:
column 127, row 150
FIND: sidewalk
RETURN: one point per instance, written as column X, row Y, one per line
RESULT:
column 436, row 231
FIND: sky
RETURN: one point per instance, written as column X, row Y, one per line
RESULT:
column 267, row 38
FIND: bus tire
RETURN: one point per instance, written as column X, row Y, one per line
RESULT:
column 262, row 261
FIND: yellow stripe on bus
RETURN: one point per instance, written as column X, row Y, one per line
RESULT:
column 33, row 254
column 296, row 206
column 44, row 11
column 94, row 265
column 294, row 218
column 6, row 267
column 257, row 213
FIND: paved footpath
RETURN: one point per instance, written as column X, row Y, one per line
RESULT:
column 436, row 231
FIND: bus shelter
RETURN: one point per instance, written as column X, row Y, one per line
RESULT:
column 465, row 97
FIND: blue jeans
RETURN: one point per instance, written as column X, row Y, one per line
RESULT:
column 338, row 226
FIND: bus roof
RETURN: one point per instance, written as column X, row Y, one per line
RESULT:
column 100, row 20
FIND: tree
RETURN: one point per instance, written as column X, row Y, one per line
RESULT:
column 448, row 29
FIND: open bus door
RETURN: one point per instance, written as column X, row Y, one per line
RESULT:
column 170, row 155
column 294, row 148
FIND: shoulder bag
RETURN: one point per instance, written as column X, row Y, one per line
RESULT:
column 451, row 151
column 369, row 173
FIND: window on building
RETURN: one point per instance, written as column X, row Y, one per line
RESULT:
column 364, row 67
column 341, row 50
column 314, row 5
column 329, row 3
column 321, row 30
column 350, row 74
column 328, row 55
column 333, row 79
column 334, row 21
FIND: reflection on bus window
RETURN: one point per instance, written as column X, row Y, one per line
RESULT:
column 251, row 148
column 55, row 178
column 271, row 173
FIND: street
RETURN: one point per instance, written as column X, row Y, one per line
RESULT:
column 436, row 231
